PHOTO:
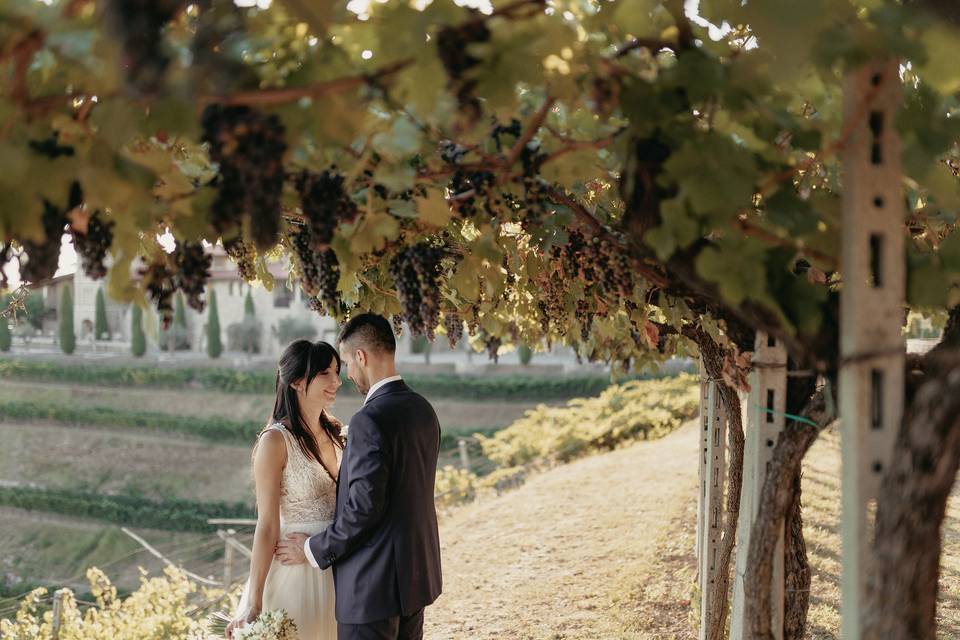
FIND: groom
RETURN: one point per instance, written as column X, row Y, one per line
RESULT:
column 383, row 544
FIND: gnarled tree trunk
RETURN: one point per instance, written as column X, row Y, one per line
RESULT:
column 796, row 566
column 903, row 586
column 776, row 498
column 796, row 570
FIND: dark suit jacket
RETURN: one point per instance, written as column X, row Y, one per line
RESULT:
column 383, row 544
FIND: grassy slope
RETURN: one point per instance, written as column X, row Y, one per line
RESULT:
column 455, row 415
column 125, row 462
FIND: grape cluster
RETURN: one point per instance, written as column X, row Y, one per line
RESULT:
column 158, row 280
column 453, row 323
column 492, row 344
column 243, row 253
column 585, row 317
column 453, row 43
column 451, row 152
column 325, row 204
column 93, row 244
column 329, row 268
column 452, row 47
column 192, row 272
column 415, row 271
column 304, row 260
column 596, row 261
column 139, row 25
column 552, row 306
column 43, row 257
column 319, row 272
column 397, row 322
column 50, row 147
column 471, row 190
column 249, row 146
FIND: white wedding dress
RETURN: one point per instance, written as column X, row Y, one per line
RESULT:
column 308, row 499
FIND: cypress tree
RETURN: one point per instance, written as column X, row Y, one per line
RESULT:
column 68, row 341
column 179, row 313
column 138, row 341
column 248, row 309
column 100, row 327
column 6, row 340
column 214, row 346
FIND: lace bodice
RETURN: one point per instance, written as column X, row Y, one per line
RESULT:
column 307, row 492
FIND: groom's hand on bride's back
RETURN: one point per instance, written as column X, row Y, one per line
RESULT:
column 290, row 549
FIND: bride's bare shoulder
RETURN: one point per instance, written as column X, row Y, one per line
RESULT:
column 271, row 448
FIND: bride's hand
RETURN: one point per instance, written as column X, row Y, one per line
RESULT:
column 242, row 620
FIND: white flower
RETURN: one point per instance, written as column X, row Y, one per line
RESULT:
column 270, row 625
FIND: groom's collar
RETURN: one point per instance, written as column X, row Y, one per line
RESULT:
column 379, row 384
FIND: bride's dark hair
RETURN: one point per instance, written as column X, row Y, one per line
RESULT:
column 304, row 360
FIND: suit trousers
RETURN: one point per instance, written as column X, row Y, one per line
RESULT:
column 395, row 628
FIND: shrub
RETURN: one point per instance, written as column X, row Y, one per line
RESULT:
column 295, row 328
column 622, row 413
column 262, row 381
column 245, row 335
column 214, row 428
column 169, row 515
column 176, row 334
column 68, row 341
column 454, row 486
column 162, row 607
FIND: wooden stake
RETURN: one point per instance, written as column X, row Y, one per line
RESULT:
column 713, row 446
column 764, row 409
column 872, row 347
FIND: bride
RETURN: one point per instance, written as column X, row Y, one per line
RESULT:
column 296, row 462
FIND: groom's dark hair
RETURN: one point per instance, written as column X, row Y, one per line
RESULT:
column 371, row 332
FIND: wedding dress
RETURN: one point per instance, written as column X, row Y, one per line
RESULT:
column 308, row 500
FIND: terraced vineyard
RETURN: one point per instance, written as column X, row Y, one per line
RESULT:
column 150, row 449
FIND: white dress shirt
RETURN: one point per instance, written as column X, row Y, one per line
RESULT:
column 376, row 385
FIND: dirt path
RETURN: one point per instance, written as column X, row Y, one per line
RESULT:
column 603, row 549
column 600, row 548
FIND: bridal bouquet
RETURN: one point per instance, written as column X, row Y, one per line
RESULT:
column 269, row 625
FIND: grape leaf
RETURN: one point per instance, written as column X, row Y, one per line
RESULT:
column 715, row 175
column 434, row 209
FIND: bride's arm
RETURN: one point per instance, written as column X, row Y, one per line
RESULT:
column 268, row 463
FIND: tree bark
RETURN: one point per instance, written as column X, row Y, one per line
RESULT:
column 796, row 567
column 903, row 586
column 775, row 499
column 796, row 570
